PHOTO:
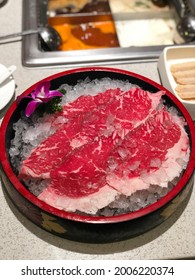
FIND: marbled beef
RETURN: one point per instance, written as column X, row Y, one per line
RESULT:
column 110, row 115
column 154, row 153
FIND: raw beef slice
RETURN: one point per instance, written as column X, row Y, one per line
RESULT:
column 123, row 112
column 152, row 154
column 88, row 204
column 52, row 150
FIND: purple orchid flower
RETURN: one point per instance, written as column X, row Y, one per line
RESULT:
column 41, row 94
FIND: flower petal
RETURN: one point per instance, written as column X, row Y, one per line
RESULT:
column 41, row 91
column 32, row 105
column 54, row 93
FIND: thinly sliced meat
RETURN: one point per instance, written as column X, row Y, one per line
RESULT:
column 130, row 152
column 111, row 119
column 143, row 158
column 83, row 172
column 89, row 204
column 87, row 103
column 51, row 151
column 70, row 135
column 80, row 106
column 154, row 153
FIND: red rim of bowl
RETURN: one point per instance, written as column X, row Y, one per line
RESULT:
column 96, row 219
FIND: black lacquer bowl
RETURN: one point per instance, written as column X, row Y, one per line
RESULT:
column 85, row 228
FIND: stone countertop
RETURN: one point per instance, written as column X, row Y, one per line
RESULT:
column 20, row 239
